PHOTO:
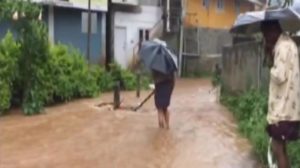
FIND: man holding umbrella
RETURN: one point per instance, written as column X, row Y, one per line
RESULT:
column 164, row 85
column 284, row 89
column 162, row 63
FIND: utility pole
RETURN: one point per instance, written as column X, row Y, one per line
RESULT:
column 109, row 35
column 89, row 31
column 181, row 38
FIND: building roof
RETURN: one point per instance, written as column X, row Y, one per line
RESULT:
column 73, row 4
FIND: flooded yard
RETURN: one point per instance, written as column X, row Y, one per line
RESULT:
column 79, row 134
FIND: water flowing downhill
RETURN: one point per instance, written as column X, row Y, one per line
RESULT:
column 79, row 134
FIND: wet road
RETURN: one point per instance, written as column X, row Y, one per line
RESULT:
column 80, row 135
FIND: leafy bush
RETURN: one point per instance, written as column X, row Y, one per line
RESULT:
column 71, row 77
column 34, row 67
column 62, row 76
column 127, row 78
column 9, row 55
column 47, row 77
column 33, row 74
column 61, row 65
column 130, row 80
column 104, row 79
column 250, row 109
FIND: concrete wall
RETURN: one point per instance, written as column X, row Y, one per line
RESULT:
column 149, row 17
column 213, row 40
column 202, row 48
column 210, row 41
column 242, row 67
column 172, row 40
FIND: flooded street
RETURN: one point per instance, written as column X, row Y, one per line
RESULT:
column 79, row 134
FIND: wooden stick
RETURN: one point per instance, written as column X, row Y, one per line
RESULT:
column 145, row 100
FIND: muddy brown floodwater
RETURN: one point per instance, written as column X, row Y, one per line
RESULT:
column 203, row 134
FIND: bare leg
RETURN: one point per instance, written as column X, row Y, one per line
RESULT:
column 280, row 152
column 167, row 119
column 160, row 118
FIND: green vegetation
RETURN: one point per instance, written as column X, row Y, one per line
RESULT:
column 64, row 75
column 250, row 109
column 9, row 55
column 34, row 74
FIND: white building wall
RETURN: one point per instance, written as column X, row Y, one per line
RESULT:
column 133, row 22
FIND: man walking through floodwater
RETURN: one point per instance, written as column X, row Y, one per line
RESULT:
column 157, row 57
column 164, row 85
column 284, row 92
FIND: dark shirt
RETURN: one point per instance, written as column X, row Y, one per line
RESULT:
column 159, row 77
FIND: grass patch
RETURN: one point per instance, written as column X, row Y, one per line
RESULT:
column 250, row 109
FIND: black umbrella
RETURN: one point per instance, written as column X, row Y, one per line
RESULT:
column 249, row 22
column 157, row 56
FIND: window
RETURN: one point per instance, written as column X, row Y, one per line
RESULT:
column 220, row 5
column 237, row 7
column 205, row 3
column 141, row 35
column 84, row 22
column 147, row 35
column 144, row 35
